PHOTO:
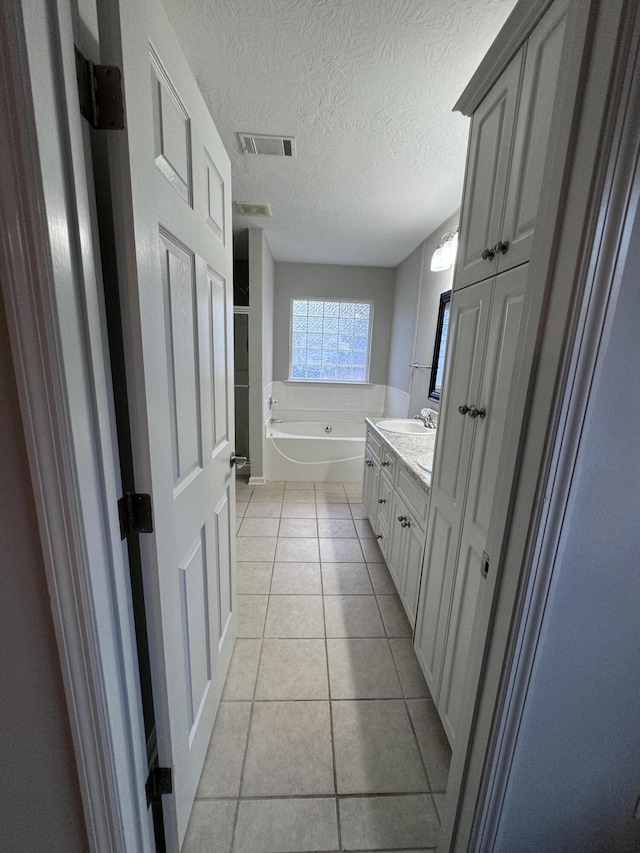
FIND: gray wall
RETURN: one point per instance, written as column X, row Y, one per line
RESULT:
column 40, row 807
column 261, row 279
column 415, row 315
column 575, row 777
column 309, row 280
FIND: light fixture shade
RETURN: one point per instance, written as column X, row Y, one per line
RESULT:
column 444, row 256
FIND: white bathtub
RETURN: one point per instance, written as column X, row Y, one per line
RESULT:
column 315, row 450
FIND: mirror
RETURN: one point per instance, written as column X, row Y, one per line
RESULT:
column 440, row 348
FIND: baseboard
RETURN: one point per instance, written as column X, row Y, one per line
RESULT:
column 257, row 481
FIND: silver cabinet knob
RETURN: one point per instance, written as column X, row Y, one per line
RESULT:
column 463, row 409
column 402, row 518
column 382, row 500
column 385, row 464
column 406, row 524
column 488, row 254
column 477, row 413
column 502, row 248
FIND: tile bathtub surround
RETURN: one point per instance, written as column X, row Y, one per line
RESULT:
column 326, row 738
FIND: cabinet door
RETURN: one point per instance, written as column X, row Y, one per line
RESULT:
column 499, row 366
column 490, row 141
column 370, row 485
column 395, row 554
column 412, row 560
column 463, row 370
column 533, row 125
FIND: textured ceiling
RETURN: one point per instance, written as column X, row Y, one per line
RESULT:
column 366, row 87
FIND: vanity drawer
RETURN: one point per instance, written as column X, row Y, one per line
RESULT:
column 388, row 462
column 417, row 499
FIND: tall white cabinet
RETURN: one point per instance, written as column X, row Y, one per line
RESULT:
column 507, row 152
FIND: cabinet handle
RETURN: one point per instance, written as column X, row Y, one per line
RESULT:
column 477, row 413
column 379, row 536
column 463, row 409
column 382, row 500
column 406, row 524
column 385, row 464
column 488, row 254
column 368, row 463
column 502, row 248
column 402, row 518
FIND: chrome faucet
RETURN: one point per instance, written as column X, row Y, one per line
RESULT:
column 427, row 420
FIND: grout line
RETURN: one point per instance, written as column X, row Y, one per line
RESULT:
column 327, row 796
column 331, row 731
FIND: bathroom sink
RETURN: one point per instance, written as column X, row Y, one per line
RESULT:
column 425, row 462
column 405, row 426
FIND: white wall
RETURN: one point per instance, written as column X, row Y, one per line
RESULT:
column 261, row 290
column 575, row 778
column 40, row 807
column 415, row 316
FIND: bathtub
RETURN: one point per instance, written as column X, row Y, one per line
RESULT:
column 315, row 450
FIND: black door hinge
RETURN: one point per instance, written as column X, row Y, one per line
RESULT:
column 159, row 782
column 135, row 513
column 100, row 90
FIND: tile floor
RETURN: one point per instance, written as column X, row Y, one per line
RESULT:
column 326, row 738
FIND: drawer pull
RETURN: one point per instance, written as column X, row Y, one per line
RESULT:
column 501, row 248
column 368, row 463
column 382, row 500
column 477, row 413
column 379, row 536
column 402, row 518
column 385, row 464
column 488, row 255
column 462, row 409
column 406, row 524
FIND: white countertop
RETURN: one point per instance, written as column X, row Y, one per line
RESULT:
column 407, row 448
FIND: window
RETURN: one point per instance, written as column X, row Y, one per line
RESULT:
column 437, row 362
column 330, row 340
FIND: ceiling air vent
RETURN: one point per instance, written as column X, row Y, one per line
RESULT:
column 280, row 146
column 253, row 208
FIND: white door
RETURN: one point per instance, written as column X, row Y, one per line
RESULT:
column 487, row 174
column 469, row 324
column 499, row 366
column 171, row 188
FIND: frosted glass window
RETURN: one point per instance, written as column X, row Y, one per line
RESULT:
column 330, row 340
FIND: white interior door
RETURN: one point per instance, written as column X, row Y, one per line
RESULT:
column 171, row 187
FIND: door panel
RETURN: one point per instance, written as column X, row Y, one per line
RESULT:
column 171, row 186
column 533, row 126
column 487, row 174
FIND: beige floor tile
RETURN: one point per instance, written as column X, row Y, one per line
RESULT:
column 298, row 527
column 295, row 617
column 339, row 528
column 267, row 496
column 296, row 550
column 254, row 549
column 372, row 823
column 253, row 578
column 372, row 552
column 298, row 510
column 241, row 507
column 332, row 498
column 375, row 748
column 259, row 527
column 352, row 616
column 297, row 484
column 251, row 614
column 289, row 750
column 210, row 827
column 362, row 669
column 223, row 763
column 296, row 579
column 286, row 826
column 358, row 510
column 340, row 551
column 381, row 579
column 300, row 496
column 411, row 678
column 346, row 579
column 394, row 617
column 364, row 529
column 331, row 510
column 243, row 670
column 264, row 509
column 432, row 740
column 292, row 669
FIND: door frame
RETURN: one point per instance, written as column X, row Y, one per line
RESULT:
column 51, row 281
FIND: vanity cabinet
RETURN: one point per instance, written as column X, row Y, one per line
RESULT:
column 397, row 508
column 481, row 358
column 507, row 151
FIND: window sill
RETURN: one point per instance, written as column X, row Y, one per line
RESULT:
column 328, row 382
